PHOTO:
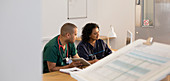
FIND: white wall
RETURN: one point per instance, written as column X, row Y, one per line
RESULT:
column 55, row 15
column 20, row 40
column 119, row 13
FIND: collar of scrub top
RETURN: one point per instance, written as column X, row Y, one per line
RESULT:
column 97, row 47
column 60, row 46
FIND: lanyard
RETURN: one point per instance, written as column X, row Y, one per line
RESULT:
column 62, row 48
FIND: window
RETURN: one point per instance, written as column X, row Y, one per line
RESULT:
column 148, row 13
column 145, row 13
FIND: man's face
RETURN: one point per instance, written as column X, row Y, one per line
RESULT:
column 95, row 34
column 73, row 36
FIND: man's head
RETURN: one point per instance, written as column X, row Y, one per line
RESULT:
column 69, row 32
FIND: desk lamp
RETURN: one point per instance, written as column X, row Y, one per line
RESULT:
column 111, row 34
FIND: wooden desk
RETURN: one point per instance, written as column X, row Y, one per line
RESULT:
column 57, row 76
column 167, row 78
column 114, row 49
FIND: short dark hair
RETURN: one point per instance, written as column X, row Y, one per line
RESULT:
column 67, row 28
column 87, row 30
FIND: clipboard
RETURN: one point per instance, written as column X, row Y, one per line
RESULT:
column 82, row 60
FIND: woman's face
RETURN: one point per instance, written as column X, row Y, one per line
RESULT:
column 95, row 34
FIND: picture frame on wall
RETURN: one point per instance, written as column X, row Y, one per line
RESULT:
column 77, row 9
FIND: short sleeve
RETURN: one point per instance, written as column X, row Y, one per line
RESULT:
column 50, row 54
column 81, row 50
column 107, row 50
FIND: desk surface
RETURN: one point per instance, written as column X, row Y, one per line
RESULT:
column 57, row 76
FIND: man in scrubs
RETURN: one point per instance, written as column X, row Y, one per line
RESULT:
column 91, row 47
column 58, row 50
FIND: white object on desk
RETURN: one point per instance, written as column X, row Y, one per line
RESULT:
column 75, row 69
column 149, row 41
column 134, row 62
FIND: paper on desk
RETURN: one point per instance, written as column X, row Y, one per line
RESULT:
column 74, row 69
column 135, row 62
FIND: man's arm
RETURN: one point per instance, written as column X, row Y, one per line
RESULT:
column 76, row 56
column 52, row 65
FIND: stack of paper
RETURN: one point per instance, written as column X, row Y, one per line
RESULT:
column 134, row 62
column 69, row 70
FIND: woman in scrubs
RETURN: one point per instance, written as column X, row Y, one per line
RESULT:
column 91, row 47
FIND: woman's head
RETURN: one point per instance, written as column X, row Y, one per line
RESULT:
column 90, row 31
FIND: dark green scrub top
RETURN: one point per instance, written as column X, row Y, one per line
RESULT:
column 51, row 53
